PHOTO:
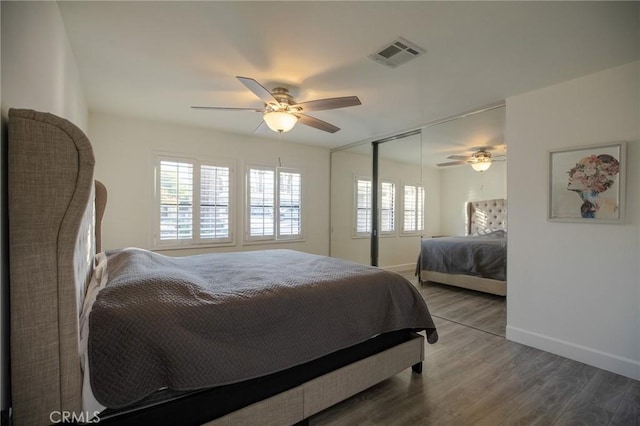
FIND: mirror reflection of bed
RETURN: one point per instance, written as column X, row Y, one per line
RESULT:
column 465, row 276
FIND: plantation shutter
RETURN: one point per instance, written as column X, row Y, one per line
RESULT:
column 176, row 200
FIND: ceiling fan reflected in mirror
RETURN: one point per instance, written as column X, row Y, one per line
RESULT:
column 480, row 160
column 281, row 111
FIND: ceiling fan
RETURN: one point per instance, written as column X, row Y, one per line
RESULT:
column 281, row 111
column 480, row 160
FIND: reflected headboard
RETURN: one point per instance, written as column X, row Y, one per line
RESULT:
column 51, row 249
column 486, row 214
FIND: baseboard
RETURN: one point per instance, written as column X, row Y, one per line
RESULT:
column 407, row 267
column 606, row 361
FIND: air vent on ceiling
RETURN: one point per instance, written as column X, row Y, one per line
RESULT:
column 397, row 53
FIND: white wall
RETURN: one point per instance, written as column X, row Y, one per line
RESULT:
column 574, row 288
column 345, row 167
column 38, row 68
column 461, row 184
column 432, row 180
column 38, row 72
column 124, row 149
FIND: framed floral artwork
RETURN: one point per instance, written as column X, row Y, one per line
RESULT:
column 586, row 184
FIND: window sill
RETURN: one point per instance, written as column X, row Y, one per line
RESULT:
column 262, row 242
column 361, row 237
column 367, row 237
column 192, row 246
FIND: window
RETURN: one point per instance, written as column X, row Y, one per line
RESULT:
column 413, row 204
column 275, row 203
column 387, row 207
column 214, row 202
column 193, row 202
column 262, row 199
column 363, row 207
column 290, row 191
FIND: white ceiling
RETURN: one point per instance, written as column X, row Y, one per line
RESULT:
column 155, row 59
column 460, row 136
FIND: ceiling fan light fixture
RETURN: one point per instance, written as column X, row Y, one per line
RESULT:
column 481, row 165
column 280, row 121
column 481, row 161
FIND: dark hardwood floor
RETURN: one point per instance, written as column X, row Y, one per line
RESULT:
column 476, row 377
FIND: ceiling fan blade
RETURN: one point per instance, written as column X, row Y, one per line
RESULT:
column 258, row 90
column 451, row 163
column 318, row 124
column 229, row 109
column 329, row 103
column 458, row 157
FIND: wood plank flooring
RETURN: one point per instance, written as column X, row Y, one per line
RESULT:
column 483, row 311
column 476, row 377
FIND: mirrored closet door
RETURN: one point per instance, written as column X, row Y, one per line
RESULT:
column 450, row 150
column 388, row 194
column 401, row 203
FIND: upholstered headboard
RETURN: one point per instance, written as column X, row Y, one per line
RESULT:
column 51, row 251
column 101, row 205
column 486, row 214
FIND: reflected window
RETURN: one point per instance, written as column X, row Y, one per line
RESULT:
column 363, row 207
column 413, row 209
column 363, row 190
column 387, row 207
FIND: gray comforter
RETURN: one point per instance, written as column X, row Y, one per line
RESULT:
column 202, row 321
column 482, row 255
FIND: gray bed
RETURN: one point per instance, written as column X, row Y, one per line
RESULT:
column 478, row 260
column 52, row 242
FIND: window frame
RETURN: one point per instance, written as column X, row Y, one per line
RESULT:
column 277, row 236
column 196, row 240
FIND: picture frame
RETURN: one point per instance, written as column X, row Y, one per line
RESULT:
column 587, row 184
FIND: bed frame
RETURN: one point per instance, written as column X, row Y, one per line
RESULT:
column 52, row 243
column 479, row 215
